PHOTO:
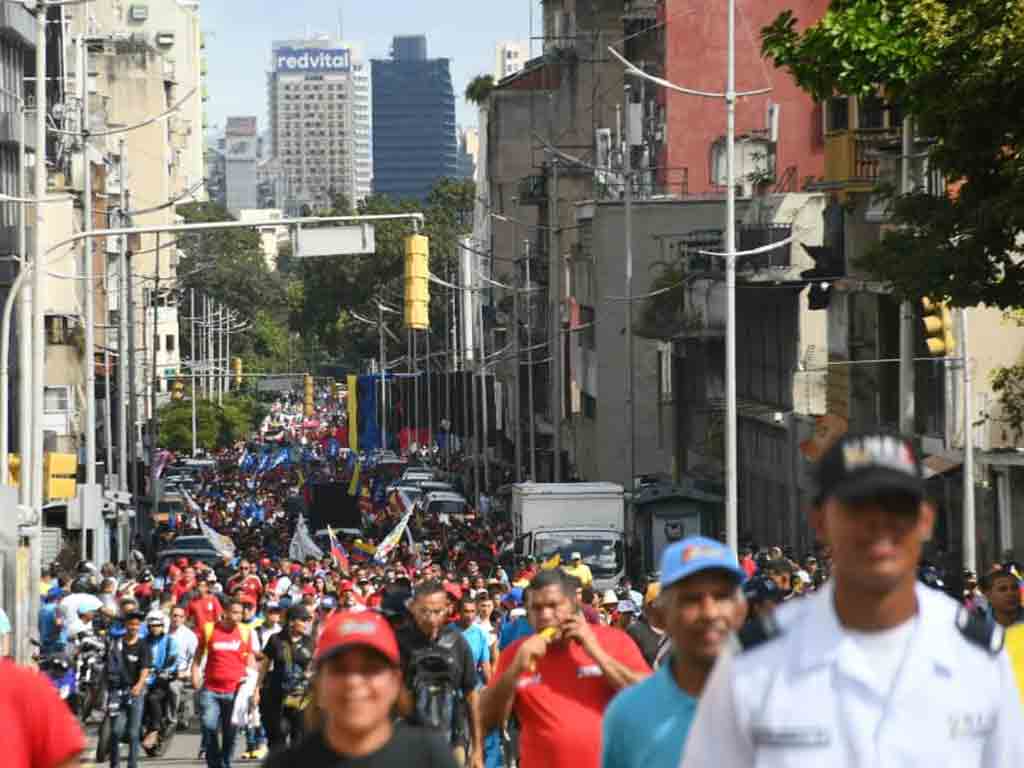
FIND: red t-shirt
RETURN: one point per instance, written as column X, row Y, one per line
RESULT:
column 251, row 586
column 227, row 656
column 561, row 703
column 181, row 587
column 37, row 730
column 204, row 610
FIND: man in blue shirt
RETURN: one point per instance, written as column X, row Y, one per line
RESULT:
column 646, row 725
column 515, row 624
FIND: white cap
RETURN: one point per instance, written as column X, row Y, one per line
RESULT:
column 610, row 598
column 576, row 556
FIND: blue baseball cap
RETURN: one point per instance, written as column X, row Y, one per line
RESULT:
column 514, row 596
column 695, row 554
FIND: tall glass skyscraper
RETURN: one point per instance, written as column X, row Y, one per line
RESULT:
column 414, row 138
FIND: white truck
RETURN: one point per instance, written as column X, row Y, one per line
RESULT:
column 564, row 518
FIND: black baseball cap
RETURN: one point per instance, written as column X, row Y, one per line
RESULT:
column 870, row 465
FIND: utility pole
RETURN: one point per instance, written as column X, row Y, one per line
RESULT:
column 133, row 385
column 969, row 524
column 24, row 329
column 529, row 366
column 87, row 274
column 555, row 322
column 124, row 343
column 192, row 351
column 907, row 318
column 731, row 420
column 517, row 424
column 481, row 365
column 627, row 175
column 155, row 389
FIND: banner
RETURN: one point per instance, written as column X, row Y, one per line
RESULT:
column 391, row 540
column 302, row 545
column 353, row 412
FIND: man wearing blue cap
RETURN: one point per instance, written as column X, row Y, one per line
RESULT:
column 647, row 725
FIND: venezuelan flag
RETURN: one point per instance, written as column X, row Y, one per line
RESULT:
column 353, row 415
column 362, row 551
column 353, row 486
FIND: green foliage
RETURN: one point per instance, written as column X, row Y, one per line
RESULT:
column 479, row 89
column 216, row 426
column 956, row 67
column 333, row 289
column 1008, row 385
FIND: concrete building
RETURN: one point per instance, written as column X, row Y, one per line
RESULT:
column 469, row 152
column 415, row 143
column 241, row 139
column 510, row 56
column 779, row 134
column 321, row 121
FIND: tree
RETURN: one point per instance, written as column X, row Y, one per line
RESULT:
column 479, row 89
column 954, row 66
column 217, row 426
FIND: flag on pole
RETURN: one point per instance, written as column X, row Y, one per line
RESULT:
column 338, row 553
column 302, row 544
column 353, row 413
column 391, row 540
column 353, row 486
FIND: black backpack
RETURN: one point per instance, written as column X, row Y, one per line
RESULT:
column 435, row 683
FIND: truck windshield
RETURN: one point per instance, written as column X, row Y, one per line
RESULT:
column 602, row 554
column 447, row 508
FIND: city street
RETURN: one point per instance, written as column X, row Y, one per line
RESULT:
column 182, row 754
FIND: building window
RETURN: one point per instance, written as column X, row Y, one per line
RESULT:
column 838, row 114
column 589, row 406
column 56, row 399
column 58, row 330
column 169, row 342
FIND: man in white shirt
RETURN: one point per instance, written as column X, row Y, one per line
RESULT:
column 187, row 642
column 875, row 668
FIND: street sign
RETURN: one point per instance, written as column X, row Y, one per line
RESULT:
column 349, row 240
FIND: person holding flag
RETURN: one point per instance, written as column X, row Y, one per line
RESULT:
column 338, row 553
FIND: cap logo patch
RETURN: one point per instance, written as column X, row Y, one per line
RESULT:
column 879, row 451
column 695, row 551
column 357, row 627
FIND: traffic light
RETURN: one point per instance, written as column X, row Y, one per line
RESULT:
column 938, row 328
column 60, row 471
column 178, row 389
column 307, row 382
column 14, row 472
column 236, row 368
column 417, row 282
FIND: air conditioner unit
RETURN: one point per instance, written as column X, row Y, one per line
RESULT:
column 165, row 39
column 138, row 12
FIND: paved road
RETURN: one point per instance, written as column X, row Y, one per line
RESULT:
column 182, row 754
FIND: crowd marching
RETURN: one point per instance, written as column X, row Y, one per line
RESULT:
column 425, row 640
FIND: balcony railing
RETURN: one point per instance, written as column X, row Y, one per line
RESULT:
column 759, row 236
column 852, row 157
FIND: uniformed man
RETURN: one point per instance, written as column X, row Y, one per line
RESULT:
column 875, row 668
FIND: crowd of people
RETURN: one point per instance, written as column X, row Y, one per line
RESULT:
column 441, row 647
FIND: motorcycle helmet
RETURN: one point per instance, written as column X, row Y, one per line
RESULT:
column 86, row 583
column 86, row 566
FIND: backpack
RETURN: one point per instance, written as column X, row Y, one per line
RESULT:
column 435, row 684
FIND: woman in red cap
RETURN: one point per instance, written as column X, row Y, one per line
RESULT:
column 350, row 719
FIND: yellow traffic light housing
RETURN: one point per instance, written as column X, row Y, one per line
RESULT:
column 60, row 471
column 938, row 328
column 307, row 408
column 236, row 368
column 178, row 389
column 14, row 471
column 417, row 282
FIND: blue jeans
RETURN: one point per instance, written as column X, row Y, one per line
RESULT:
column 492, row 749
column 130, row 717
column 215, row 715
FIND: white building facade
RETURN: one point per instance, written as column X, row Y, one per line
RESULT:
column 321, row 122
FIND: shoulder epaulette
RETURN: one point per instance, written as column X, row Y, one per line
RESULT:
column 980, row 631
column 758, row 631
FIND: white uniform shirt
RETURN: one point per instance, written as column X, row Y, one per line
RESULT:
column 812, row 696
column 187, row 643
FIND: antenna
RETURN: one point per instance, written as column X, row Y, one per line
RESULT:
column 341, row 21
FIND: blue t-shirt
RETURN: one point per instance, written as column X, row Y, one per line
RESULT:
column 512, row 631
column 5, row 623
column 646, row 725
column 477, row 640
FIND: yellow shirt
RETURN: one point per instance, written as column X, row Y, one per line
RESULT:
column 581, row 572
column 1015, row 650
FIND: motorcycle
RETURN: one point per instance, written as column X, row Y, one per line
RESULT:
column 61, row 671
column 164, row 730
column 89, row 670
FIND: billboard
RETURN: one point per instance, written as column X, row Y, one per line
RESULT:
column 312, row 60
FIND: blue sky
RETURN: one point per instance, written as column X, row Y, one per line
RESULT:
column 239, row 34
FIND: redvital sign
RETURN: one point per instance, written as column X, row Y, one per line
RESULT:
column 312, row 59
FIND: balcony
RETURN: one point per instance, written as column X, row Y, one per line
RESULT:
column 852, row 162
column 751, row 238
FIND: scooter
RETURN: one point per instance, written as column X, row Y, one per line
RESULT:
column 116, row 698
column 61, row 671
column 89, row 663
column 164, row 729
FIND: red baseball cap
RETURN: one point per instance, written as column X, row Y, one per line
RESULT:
column 346, row 586
column 182, row 562
column 349, row 629
column 247, row 600
column 309, row 589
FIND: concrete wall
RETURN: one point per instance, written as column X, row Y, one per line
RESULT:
column 696, row 58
